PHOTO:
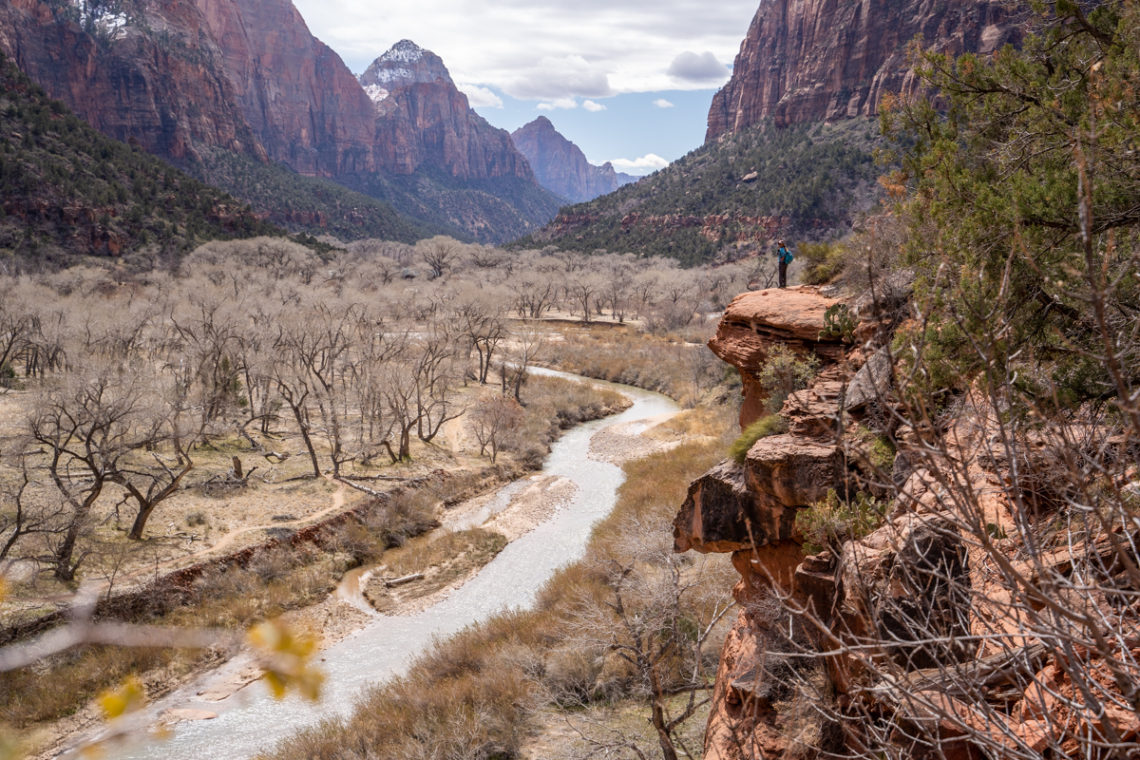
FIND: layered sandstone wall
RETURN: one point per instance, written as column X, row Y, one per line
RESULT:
column 806, row 61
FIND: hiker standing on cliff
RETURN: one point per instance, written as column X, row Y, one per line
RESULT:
column 784, row 257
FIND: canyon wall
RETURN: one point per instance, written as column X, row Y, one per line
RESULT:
column 806, row 61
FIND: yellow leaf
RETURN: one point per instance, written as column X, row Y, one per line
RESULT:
column 286, row 658
column 128, row 697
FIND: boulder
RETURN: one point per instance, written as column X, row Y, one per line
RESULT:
column 722, row 514
column 871, row 383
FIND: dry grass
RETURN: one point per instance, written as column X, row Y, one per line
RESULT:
column 681, row 370
column 442, row 560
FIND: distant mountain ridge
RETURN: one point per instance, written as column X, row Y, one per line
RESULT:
column 561, row 167
column 790, row 138
column 193, row 80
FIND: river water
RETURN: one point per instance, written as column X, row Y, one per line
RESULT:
column 252, row 721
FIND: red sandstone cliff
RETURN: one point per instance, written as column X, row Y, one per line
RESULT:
column 821, row 60
column 423, row 120
column 901, row 639
column 561, row 167
column 295, row 93
column 155, row 84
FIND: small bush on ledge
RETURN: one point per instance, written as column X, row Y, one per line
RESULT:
column 773, row 424
column 829, row 523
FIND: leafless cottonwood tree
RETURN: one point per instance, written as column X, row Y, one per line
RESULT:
column 657, row 613
column 493, row 419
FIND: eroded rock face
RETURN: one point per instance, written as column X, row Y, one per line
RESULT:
column 560, row 166
column 294, row 91
column 756, row 321
column 908, row 582
column 168, row 98
column 807, row 61
column 423, row 120
column 724, row 513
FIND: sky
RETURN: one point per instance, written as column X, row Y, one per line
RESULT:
column 628, row 81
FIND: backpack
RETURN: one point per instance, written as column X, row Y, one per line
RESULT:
column 786, row 255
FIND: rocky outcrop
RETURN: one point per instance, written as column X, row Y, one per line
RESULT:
column 560, row 166
column 924, row 624
column 755, row 322
column 422, row 120
column 807, row 61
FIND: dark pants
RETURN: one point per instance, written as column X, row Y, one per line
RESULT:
column 783, row 273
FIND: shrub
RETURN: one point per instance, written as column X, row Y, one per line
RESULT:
column 829, row 523
column 839, row 323
column 785, row 372
column 761, row 428
column 823, row 262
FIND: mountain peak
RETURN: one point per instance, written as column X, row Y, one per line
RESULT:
column 404, row 64
column 561, row 167
column 405, row 51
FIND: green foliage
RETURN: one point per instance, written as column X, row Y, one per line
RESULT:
column 307, row 205
column 1024, row 229
column 66, row 189
column 784, row 373
column 772, row 424
column 839, row 323
column 812, row 178
column 829, row 523
column 824, row 262
column 881, row 453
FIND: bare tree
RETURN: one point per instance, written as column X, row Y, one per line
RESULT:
column 439, row 254
column 493, row 418
column 657, row 615
column 526, row 347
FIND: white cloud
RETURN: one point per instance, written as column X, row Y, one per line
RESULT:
column 480, row 97
column 561, row 77
column 650, row 162
column 592, row 106
column 693, row 68
column 662, row 103
column 558, row 103
column 627, row 46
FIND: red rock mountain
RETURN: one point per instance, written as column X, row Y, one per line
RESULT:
column 186, row 79
column 296, row 94
column 423, row 120
column 561, row 167
column 161, row 91
column 820, row 60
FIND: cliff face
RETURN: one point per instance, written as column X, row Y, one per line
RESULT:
column 561, row 167
column 162, row 91
column 423, row 121
column 820, row 60
column 897, row 637
column 295, row 93
column 196, row 81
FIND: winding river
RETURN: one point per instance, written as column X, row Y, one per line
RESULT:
column 252, row 721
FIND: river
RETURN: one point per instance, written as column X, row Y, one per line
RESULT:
column 252, row 721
